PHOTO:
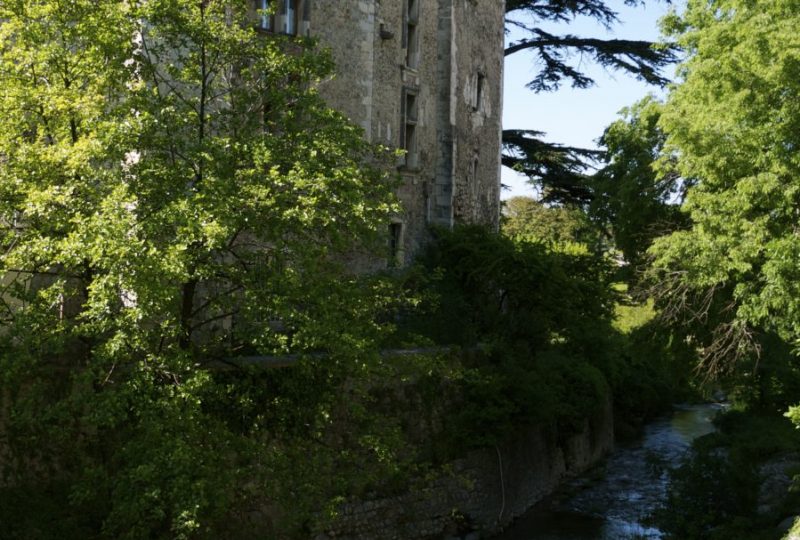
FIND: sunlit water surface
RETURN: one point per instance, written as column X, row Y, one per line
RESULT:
column 612, row 503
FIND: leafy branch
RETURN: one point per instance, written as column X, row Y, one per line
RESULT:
column 635, row 57
column 561, row 170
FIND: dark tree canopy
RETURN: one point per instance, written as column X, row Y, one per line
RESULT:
column 560, row 170
column 638, row 58
column 636, row 191
column 565, row 10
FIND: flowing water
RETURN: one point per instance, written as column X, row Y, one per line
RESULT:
column 613, row 502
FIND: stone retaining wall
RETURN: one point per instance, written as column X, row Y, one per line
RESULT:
column 485, row 491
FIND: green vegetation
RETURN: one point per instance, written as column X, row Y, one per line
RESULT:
column 527, row 219
column 160, row 216
column 633, row 200
column 733, row 129
column 715, row 494
column 728, row 279
column 699, row 195
column 537, row 321
column 160, row 220
column 658, row 364
column 630, row 315
column 535, row 315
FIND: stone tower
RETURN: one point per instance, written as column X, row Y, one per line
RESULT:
column 424, row 76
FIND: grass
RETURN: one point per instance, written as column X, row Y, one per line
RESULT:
column 629, row 315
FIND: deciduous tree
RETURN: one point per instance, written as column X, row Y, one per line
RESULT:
column 173, row 194
column 637, row 193
column 525, row 218
column 732, row 124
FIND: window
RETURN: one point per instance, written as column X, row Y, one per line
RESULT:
column 284, row 19
column 289, row 13
column 395, row 255
column 477, row 97
column 265, row 19
column 411, row 33
column 408, row 134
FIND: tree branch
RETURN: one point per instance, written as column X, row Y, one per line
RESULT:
column 639, row 58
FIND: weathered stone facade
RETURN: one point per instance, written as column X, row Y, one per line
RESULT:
column 425, row 76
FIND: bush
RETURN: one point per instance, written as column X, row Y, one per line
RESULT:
column 546, row 323
column 541, row 320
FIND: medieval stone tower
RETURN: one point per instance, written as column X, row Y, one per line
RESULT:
column 424, row 76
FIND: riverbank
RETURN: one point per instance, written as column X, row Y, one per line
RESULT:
column 737, row 482
column 559, row 343
column 484, row 491
column 616, row 500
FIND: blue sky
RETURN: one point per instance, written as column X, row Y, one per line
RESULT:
column 571, row 116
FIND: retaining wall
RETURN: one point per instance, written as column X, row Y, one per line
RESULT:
column 484, row 491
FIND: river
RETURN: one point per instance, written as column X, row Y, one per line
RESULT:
column 613, row 501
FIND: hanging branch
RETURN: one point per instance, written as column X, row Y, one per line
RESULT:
column 561, row 171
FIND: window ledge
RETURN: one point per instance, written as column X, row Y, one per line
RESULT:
column 409, row 169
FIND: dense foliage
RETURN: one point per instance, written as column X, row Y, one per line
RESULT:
column 532, row 317
column 165, row 209
column 535, row 321
column 166, row 212
column 729, row 279
column 734, row 484
column 732, row 126
column 636, row 193
column 525, row 218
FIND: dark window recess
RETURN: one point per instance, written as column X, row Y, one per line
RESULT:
column 284, row 19
column 395, row 243
column 411, row 32
column 408, row 132
column 265, row 19
column 289, row 11
column 480, row 84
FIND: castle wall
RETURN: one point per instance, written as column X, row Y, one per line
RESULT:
column 451, row 174
column 478, row 94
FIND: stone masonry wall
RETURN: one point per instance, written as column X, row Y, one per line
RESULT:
column 455, row 177
column 489, row 488
column 477, row 108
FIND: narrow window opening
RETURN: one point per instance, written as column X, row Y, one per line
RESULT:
column 409, row 138
column 480, row 84
column 395, row 245
column 290, row 12
column 287, row 17
column 264, row 16
column 412, row 33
